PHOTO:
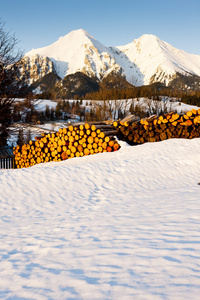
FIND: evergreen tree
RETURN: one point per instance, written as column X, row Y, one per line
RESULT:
column 16, row 117
column 58, row 111
column 20, row 138
column 28, row 136
column 47, row 113
column 52, row 114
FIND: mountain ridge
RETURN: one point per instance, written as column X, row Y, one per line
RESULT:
column 153, row 55
column 145, row 60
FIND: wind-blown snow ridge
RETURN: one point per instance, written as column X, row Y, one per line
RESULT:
column 121, row 225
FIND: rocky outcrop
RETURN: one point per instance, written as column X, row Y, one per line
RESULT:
column 34, row 68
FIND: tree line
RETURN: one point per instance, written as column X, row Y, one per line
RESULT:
column 151, row 91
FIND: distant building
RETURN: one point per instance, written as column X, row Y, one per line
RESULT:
column 6, row 158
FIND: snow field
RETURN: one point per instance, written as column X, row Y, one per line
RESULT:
column 122, row 225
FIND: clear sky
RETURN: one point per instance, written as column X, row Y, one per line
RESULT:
column 38, row 23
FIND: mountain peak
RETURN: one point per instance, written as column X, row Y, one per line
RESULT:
column 78, row 51
column 76, row 34
column 80, row 31
column 147, row 39
column 147, row 36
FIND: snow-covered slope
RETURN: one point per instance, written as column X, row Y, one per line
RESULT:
column 78, row 51
column 121, row 225
column 145, row 60
column 156, row 60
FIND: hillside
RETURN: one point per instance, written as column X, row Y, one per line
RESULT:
column 121, row 225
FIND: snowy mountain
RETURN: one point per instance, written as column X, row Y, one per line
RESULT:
column 79, row 52
column 155, row 61
column 143, row 61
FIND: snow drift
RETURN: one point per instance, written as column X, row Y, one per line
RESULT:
column 122, row 225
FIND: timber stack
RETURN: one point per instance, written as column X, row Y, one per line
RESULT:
column 159, row 128
column 87, row 139
column 73, row 141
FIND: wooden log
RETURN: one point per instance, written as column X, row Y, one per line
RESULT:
column 129, row 120
column 98, row 122
column 86, row 151
column 116, row 124
column 196, row 120
column 80, row 148
column 116, row 146
column 164, row 121
column 189, row 114
column 87, row 126
column 102, row 127
column 104, row 145
column 81, row 127
column 90, row 140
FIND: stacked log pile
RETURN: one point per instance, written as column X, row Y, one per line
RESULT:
column 154, row 128
column 86, row 139
column 74, row 141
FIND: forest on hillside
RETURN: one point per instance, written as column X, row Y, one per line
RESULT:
column 153, row 91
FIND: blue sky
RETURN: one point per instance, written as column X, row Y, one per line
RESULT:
column 113, row 23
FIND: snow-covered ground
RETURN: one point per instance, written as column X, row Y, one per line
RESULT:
column 167, row 103
column 41, row 104
column 121, row 225
column 144, row 103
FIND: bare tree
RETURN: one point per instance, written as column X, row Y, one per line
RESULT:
column 110, row 109
column 10, row 85
column 100, row 110
column 158, row 107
